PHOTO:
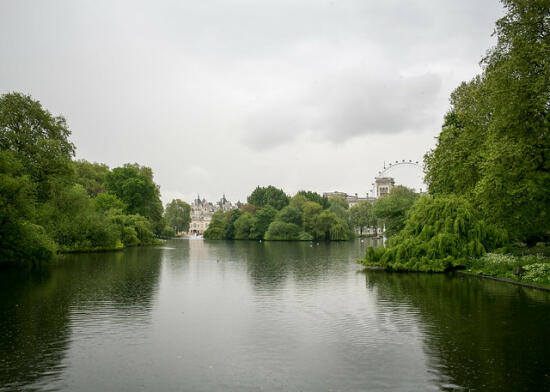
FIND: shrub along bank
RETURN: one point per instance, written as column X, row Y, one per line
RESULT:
column 51, row 203
column 271, row 215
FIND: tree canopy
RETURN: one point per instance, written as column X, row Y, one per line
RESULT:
column 178, row 215
column 50, row 203
column 263, row 196
column 495, row 143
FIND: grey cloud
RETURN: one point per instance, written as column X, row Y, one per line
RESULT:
column 346, row 105
column 213, row 93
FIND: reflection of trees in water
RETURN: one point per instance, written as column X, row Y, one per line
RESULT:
column 270, row 263
column 36, row 305
column 483, row 335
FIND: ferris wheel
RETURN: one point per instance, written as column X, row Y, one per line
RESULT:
column 405, row 172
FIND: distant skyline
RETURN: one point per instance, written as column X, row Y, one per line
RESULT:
column 221, row 96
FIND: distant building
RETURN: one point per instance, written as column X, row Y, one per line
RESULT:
column 384, row 185
column 351, row 199
column 202, row 211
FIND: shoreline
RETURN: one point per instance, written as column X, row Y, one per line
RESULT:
column 504, row 280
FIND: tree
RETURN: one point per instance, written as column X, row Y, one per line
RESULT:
column 311, row 210
column 71, row 219
column 441, row 233
column 298, row 201
column 230, row 219
column 37, row 139
column 133, row 184
column 90, row 175
column 106, row 201
column 20, row 238
column 339, row 207
column 178, row 215
column 392, row 209
column 361, row 215
column 262, row 220
column 243, row 226
column 282, row 231
column 290, row 215
column 215, row 230
column 495, row 143
column 324, row 223
column 316, row 198
column 263, row 196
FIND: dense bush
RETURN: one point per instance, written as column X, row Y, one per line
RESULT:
column 300, row 219
column 534, row 269
column 49, row 203
column 282, row 231
column 441, row 233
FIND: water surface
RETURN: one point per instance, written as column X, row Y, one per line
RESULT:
column 196, row 315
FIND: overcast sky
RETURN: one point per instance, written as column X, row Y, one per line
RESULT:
column 221, row 96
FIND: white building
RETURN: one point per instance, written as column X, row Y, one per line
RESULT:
column 202, row 211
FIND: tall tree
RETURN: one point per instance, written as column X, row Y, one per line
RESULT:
column 90, row 175
column 361, row 215
column 178, row 215
column 38, row 139
column 495, row 143
column 263, row 196
column 20, row 238
column 133, row 184
column 392, row 209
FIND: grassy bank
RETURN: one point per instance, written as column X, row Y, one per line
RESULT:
column 531, row 268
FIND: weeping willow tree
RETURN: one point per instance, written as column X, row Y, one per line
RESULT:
column 440, row 234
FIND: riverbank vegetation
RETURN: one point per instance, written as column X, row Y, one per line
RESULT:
column 271, row 215
column 51, row 203
column 489, row 174
column 532, row 269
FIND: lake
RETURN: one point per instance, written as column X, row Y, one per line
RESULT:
column 196, row 315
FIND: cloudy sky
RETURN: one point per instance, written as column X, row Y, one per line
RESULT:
column 221, row 96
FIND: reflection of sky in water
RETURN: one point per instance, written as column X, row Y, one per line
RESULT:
column 207, row 315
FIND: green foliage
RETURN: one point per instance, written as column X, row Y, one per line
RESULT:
column 37, row 139
column 178, row 215
column 362, row 215
column 133, row 184
column 106, row 201
column 90, row 175
column 262, row 220
column 533, row 269
column 316, row 198
column 282, row 231
column 216, row 228
column 297, row 201
column 263, row 196
column 72, row 221
column 230, row 219
column 301, row 220
column 391, row 210
column 168, row 232
column 243, row 226
column 20, row 239
column 440, row 233
column 290, row 215
column 310, row 212
column 328, row 226
column 494, row 146
column 49, row 203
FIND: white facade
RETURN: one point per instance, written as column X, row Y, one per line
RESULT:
column 202, row 211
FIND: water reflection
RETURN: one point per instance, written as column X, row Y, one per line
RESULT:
column 202, row 316
column 40, row 309
column 479, row 334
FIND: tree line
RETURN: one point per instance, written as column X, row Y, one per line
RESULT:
column 51, row 203
column 272, row 215
column 489, row 174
